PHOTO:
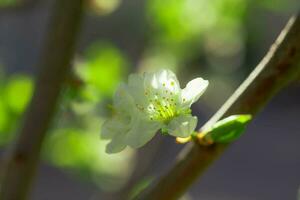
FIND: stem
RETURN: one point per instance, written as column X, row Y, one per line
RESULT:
column 22, row 161
column 277, row 69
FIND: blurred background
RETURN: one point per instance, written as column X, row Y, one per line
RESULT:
column 219, row 40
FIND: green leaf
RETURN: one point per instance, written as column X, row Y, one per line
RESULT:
column 228, row 129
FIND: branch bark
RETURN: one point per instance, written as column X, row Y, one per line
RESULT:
column 278, row 68
column 22, row 161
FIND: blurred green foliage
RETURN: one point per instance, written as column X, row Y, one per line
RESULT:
column 3, row 117
column 17, row 93
column 104, row 66
column 279, row 5
column 183, row 20
column 183, row 25
column 83, row 152
column 4, row 3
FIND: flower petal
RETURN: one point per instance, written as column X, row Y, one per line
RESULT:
column 113, row 127
column 136, row 89
column 116, row 145
column 161, row 81
column 182, row 126
column 142, row 130
column 150, row 81
column 193, row 90
column 168, row 80
column 122, row 100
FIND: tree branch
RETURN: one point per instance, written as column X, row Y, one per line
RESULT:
column 278, row 68
column 54, row 67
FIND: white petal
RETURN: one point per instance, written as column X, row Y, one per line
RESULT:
column 165, row 75
column 116, row 145
column 162, row 80
column 168, row 80
column 142, row 130
column 122, row 100
column 182, row 126
column 136, row 89
column 193, row 90
column 150, row 81
column 114, row 127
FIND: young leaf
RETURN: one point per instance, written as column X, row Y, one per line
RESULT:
column 228, row 129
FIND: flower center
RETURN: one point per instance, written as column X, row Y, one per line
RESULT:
column 161, row 109
column 162, row 102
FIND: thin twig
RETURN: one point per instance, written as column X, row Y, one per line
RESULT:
column 54, row 67
column 277, row 69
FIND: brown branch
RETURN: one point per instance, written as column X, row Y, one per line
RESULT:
column 54, row 67
column 277, row 69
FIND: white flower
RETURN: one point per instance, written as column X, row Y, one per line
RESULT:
column 150, row 102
